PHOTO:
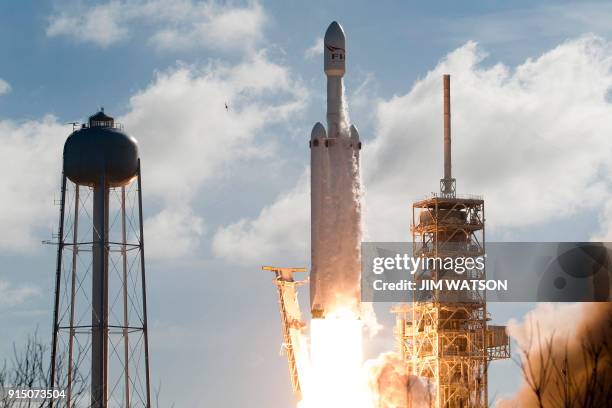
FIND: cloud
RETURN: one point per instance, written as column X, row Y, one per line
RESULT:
column 280, row 229
column 102, row 24
column 31, row 168
column 187, row 140
column 187, row 135
column 215, row 27
column 170, row 24
column 568, row 358
column 604, row 234
column 12, row 296
column 315, row 50
column 534, row 140
column 5, row 87
column 173, row 233
column 393, row 386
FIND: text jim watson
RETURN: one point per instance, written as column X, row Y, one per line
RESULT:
column 444, row 284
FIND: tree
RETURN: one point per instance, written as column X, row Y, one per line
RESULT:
column 29, row 369
column 569, row 372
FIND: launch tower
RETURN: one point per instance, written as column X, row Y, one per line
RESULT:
column 291, row 319
column 444, row 336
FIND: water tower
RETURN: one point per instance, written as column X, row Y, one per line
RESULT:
column 100, row 346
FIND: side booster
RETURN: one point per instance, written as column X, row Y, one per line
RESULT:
column 335, row 195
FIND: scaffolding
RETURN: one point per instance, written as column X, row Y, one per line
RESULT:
column 443, row 335
column 291, row 319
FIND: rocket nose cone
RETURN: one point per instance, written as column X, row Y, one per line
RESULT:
column 318, row 131
column 354, row 132
column 334, row 35
column 334, row 53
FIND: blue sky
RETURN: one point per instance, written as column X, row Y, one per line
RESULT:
column 226, row 191
column 403, row 39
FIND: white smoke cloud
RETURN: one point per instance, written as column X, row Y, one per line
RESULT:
column 393, row 387
column 534, row 140
column 561, row 354
column 550, row 321
column 175, row 24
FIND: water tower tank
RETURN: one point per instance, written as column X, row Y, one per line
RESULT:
column 100, row 149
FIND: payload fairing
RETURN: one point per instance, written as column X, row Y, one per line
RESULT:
column 335, row 194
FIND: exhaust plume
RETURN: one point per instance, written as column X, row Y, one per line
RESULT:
column 565, row 355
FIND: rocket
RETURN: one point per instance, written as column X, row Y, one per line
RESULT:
column 335, row 194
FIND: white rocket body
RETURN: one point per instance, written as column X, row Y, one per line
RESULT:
column 335, row 195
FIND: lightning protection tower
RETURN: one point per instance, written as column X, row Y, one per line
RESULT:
column 100, row 346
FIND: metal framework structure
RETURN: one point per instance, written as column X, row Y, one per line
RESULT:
column 444, row 335
column 291, row 318
column 100, row 350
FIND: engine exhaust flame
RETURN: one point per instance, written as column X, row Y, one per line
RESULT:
column 336, row 376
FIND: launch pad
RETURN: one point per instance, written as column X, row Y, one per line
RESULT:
column 442, row 336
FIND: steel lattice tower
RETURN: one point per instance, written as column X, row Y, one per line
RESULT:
column 100, row 344
column 444, row 336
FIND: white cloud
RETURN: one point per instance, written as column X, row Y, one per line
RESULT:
column 315, row 50
column 170, row 24
column 216, row 27
column 30, row 165
column 279, row 233
column 102, row 24
column 604, row 234
column 187, row 135
column 11, row 296
column 187, row 139
column 5, row 87
column 173, row 233
column 535, row 141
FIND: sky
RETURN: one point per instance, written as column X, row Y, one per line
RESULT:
column 226, row 191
